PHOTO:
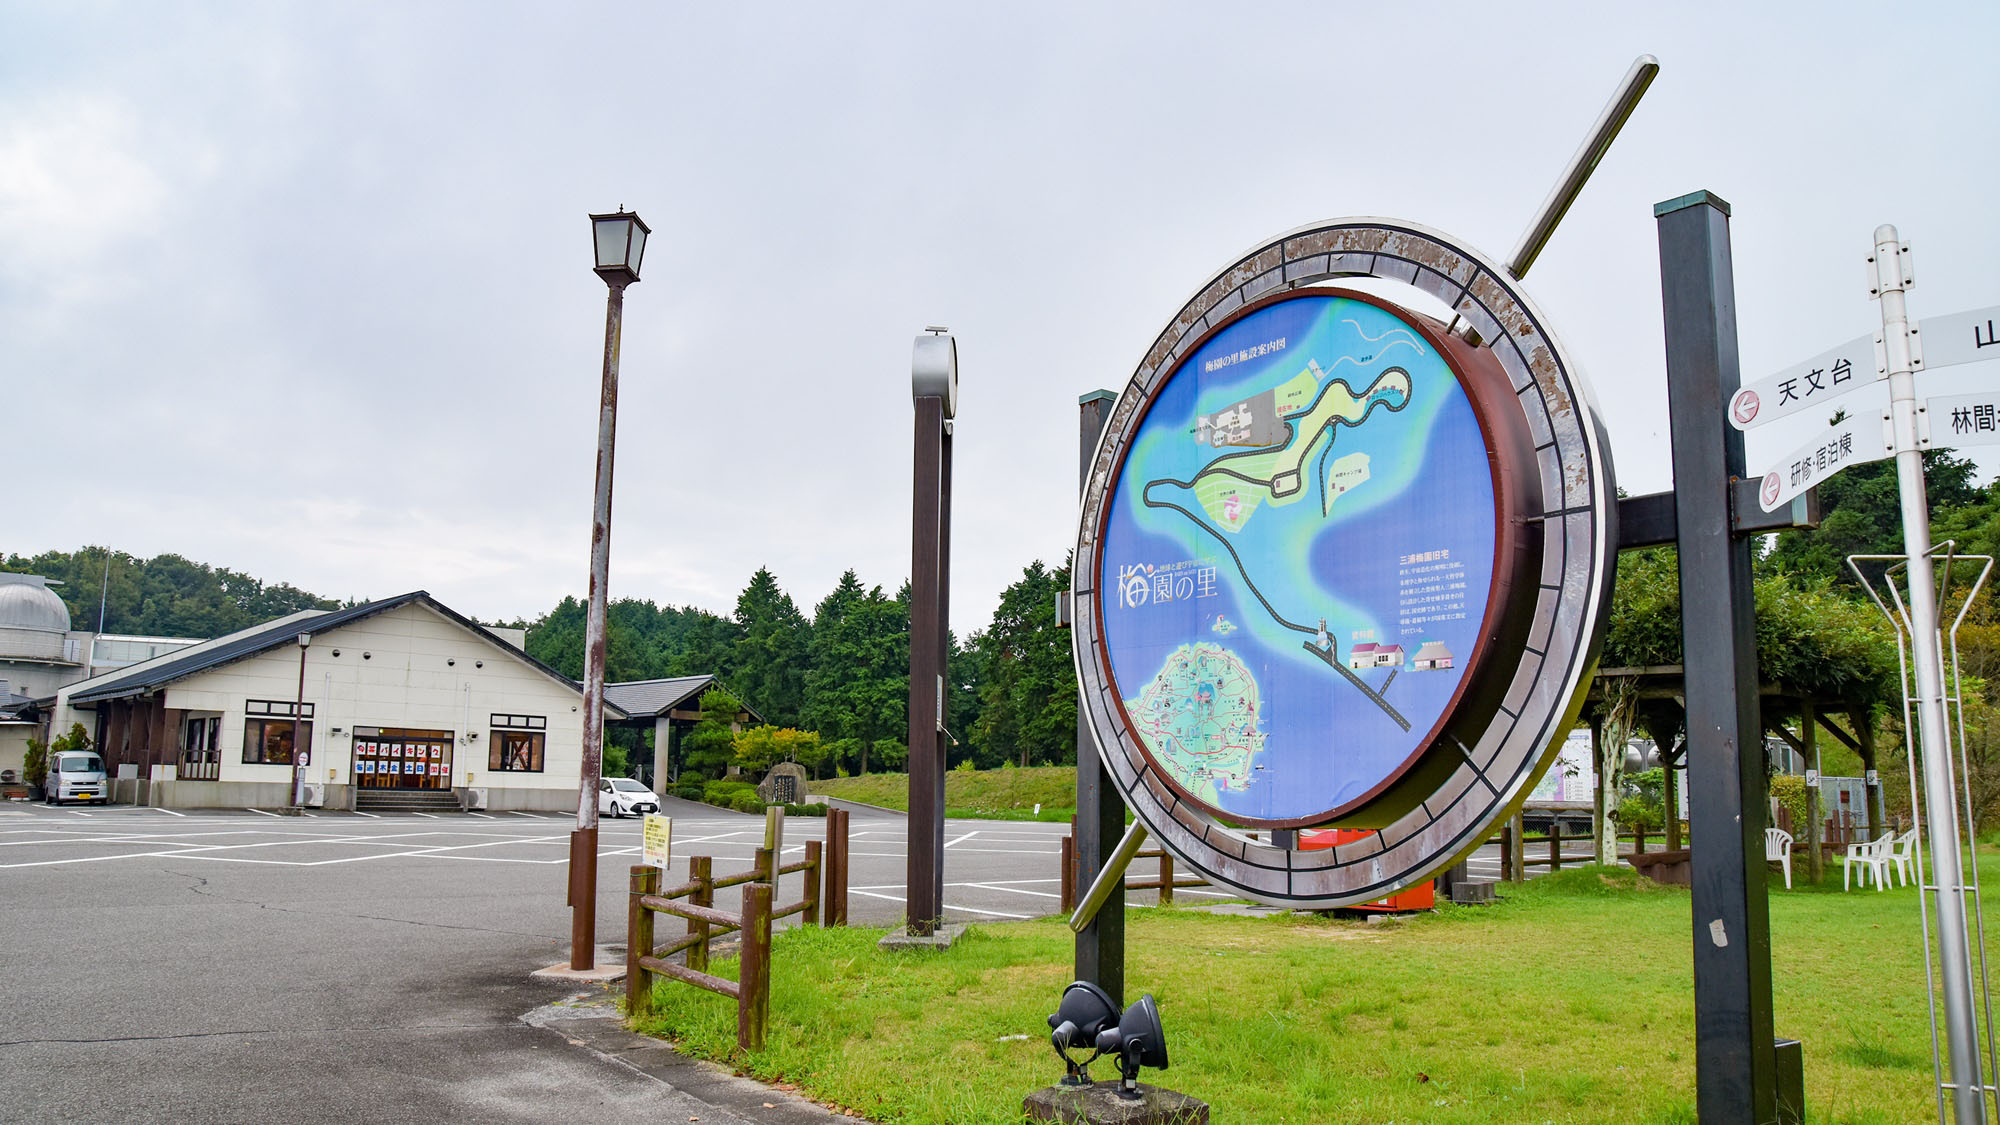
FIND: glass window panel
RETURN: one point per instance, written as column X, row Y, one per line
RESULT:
column 611, row 241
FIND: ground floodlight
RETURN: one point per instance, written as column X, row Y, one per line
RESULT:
column 1083, row 1014
column 1138, row 1041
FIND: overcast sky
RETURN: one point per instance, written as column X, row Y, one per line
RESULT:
column 305, row 290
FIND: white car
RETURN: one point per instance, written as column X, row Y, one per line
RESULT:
column 622, row 796
column 76, row 775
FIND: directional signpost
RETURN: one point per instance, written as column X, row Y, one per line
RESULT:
column 1813, row 383
column 1958, row 338
column 1854, row 440
column 1954, row 420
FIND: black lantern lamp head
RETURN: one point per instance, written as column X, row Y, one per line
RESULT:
column 621, row 243
column 1138, row 1040
column 1082, row 1015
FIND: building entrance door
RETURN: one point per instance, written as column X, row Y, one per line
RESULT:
column 396, row 758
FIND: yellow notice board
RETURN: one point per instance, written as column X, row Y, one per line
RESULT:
column 658, row 848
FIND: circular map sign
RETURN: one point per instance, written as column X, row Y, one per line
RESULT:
column 1341, row 564
column 1303, row 557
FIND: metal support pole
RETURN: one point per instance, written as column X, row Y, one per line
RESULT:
column 925, row 897
column 583, row 841
column 1735, row 1069
column 1100, row 811
column 1940, row 806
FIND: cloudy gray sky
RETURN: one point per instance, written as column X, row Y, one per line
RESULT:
column 304, row 289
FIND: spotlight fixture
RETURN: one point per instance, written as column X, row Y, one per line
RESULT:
column 1138, row 1041
column 1084, row 1012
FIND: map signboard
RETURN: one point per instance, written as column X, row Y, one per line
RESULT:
column 1304, row 559
column 1338, row 564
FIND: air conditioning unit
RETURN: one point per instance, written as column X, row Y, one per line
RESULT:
column 315, row 796
column 472, row 800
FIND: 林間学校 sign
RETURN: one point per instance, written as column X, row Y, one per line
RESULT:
column 1341, row 564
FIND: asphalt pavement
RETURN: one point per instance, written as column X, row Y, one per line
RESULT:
column 239, row 966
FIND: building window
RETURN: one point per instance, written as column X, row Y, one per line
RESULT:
column 517, row 743
column 269, row 741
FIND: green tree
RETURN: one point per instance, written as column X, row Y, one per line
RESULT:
column 167, row 595
column 708, row 748
column 771, row 652
column 1028, row 684
column 761, row 747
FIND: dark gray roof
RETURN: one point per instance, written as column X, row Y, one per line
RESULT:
column 152, row 676
column 649, row 699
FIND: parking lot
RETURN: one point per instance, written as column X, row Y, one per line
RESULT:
column 243, row 966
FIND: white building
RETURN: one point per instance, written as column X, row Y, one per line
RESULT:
column 401, row 699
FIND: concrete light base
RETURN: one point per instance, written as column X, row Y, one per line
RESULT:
column 1472, row 894
column 609, row 962
column 1100, row 1104
column 938, row 939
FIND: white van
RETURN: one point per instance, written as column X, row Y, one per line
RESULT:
column 76, row 775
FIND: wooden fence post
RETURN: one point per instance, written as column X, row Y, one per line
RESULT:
column 639, row 941
column 815, row 868
column 753, row 994
column 1638, row 839
column 701, row 871
column 1507, row 852
column 766, row 867
column 836, row 891
column 1166, row 878
column 1555, row 843
column 1517, row 848
column 1068, row 874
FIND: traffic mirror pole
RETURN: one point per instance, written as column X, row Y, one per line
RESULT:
column 1891, row 274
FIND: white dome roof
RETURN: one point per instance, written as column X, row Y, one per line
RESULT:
column 25, row 603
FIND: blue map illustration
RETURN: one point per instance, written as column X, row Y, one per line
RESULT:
column 1296, row 558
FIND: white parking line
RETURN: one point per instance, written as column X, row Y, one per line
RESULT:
column 261, row 812
column 947, row 906
column 962, row 839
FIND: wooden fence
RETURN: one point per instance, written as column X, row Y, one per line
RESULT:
column 694, row 902
column 1165, row 883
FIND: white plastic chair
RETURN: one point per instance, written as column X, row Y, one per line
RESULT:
column 1872, row 856
column 1778, row 849
column 1900, row 853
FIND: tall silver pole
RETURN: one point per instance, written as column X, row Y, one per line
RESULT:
column 1940, row 806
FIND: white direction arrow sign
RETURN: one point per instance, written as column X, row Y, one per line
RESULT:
column 1955, row 420
column 1859, row 439
column 1965, row 337
column 1819, row 380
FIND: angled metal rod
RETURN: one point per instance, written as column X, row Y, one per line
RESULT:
column 1108, row 879
column 1623, row 101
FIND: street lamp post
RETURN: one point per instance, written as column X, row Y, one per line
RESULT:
column 620, row 242
column 299, row 742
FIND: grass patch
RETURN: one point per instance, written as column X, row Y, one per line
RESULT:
column 1569, row 1001
column 1009, row 793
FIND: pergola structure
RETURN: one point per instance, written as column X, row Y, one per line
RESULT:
column 1795, row 717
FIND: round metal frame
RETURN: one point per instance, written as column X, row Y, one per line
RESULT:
column 1495, row 766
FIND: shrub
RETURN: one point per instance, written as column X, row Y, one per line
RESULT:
column 817, row 808
column 724, row 792
column 747, row 802
column 689, row 791
column 1790, row 791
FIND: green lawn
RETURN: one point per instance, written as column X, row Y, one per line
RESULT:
column 1568, row 1002
column 1003, row 794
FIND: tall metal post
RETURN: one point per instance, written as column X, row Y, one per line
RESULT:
column 583, row 841
column 1940, row 807
column 1100, row 812
column 300, row 743
column 1735, row 1071
column 934, row 389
